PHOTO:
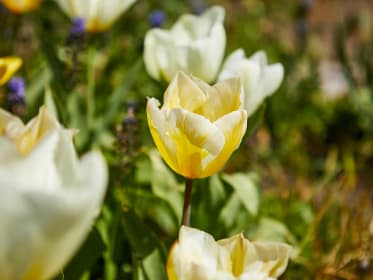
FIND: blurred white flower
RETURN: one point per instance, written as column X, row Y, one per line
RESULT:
column 197, row 256
column 333, row 81
column 48, row 197
column 98, row 15
column 259, row 79
column 195, row 44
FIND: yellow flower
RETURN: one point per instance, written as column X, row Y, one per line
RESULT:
column 198, row 126
column 8, row 66
column 48, row 197
column 98, row 15
column 197, row 256
column 21, row 6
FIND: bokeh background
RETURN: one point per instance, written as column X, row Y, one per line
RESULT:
column 303, row 173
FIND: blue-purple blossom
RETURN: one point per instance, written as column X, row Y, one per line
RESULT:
column 16, row 87
column 78, row 27
column 157, row 18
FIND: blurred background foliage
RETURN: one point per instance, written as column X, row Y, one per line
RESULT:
column 303, row 173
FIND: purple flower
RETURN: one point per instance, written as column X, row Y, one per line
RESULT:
column 157, row 18
column 16, row 86
column 78, row 27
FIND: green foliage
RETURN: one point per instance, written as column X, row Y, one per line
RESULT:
column 302, row 174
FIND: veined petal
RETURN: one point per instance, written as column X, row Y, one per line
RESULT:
column 233, row 125
column 199, row 131
column 159, row 129
column 184, row 92
column 275, row 257
column 222, row 98
column 8, row 66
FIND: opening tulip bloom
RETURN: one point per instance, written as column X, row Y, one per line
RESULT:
column 258, row 78
column 198, row 126
column 8, row 66
column 195, row 44
column 197, row 256
column 21, row 6
column 48, row 197
column 98, row 15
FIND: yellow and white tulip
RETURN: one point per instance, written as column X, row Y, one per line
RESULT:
column 197, row 256
column 8, row 66
column 98, row 15
column 258, row 78
column 21, row 6
column 199, row 126
column 195, row 44
column 48, row 197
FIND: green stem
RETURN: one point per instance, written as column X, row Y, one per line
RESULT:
column 91, row 86
column 187, row 202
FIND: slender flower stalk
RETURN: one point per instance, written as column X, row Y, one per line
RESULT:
column 187, row 202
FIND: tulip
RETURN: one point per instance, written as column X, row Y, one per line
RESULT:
column 8, row 66
column 197, row 256
column 195, row 44
column 98, row 15
column 21, row 6
column 198, row 126
column 259, row 79
column 48, row 197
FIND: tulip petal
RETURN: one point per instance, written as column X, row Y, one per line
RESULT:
column 159, row 130
column 8, row 66
column 233, row 125
column 272, row 78
column 184, row 92
column 222, row 98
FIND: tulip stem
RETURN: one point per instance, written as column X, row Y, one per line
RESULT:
column 187, row 202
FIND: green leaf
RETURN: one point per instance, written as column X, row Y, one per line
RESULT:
column 148, row 252
column 86, row 257
column 247, row 190
column 273, row 230
column 49, row 102
column 164, row 183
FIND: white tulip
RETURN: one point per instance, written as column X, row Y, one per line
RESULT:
column 98, row 15
column 197, row 256
column 258, row 78
column 195, row 44
column 48, row 197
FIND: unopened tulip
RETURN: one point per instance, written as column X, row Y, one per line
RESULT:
column 258, row 78
column 21, row 6
column 98, row 15
column 199, row 126
column 197, row 256
column 48, row 197
column 195, row 44
column 8, row 66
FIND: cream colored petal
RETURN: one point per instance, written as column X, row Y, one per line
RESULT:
column 48, row 225
column 184, row 92
column 160, row 131
column 223, row 98
column 272, row 78
column 199, row 131
column 260, row 58
column 8, row 66
column 151, row 42
column 10, row 125
column 233, row 125
column 275, row 257
column 194, row 256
